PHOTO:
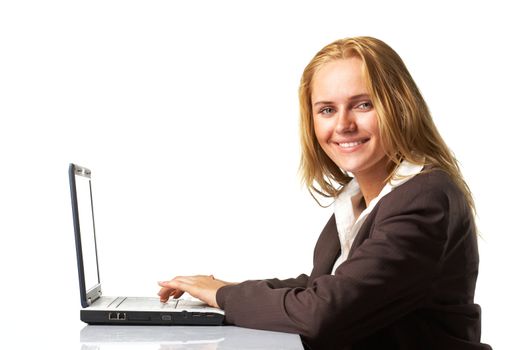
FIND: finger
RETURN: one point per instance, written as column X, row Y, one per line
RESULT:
column 169, row 286
column 176, row 294
column 166, row 291
column 196, row 286
column 176, row 287
column 182, row 285
column 164, row 297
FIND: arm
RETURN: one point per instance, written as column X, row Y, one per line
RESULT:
column 206, row 287
column 299, row 281
column 387, row 276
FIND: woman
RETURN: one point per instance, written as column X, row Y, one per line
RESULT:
column 396, row 265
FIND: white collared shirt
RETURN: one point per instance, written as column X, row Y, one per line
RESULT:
column 345, row 211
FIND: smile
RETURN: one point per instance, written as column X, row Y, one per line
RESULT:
column 349, row 145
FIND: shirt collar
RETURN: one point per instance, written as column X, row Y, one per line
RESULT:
column 405, row 171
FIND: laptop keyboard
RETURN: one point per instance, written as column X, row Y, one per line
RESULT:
column 156, row 304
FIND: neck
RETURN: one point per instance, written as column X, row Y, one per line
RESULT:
column 372, row 182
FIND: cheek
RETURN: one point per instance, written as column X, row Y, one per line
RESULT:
column 371, row 125
column 321, row 129
column 374, row 130
column 375, row 127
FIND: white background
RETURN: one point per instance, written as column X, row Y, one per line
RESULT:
column 188, row 116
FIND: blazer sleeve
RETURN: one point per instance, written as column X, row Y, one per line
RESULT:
column 299, row 282
column 386, row 277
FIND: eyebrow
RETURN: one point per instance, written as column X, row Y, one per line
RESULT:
column 352, row 98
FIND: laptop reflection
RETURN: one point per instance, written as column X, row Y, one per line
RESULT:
column 184, row 337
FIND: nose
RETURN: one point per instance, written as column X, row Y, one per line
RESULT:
column 345, row 123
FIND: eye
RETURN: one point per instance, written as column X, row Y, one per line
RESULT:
column 364, row 106
column 326, row 110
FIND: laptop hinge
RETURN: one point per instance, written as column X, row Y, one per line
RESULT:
column 93, row 294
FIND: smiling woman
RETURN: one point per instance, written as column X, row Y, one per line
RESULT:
column 345, row 122
column 396, row 265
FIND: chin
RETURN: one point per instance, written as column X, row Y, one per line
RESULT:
column 352, row 168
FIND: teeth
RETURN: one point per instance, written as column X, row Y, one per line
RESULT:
column 351, row 144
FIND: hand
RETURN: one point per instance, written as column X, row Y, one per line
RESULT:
column 201, row 287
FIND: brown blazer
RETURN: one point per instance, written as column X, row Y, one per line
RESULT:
column 408, row 282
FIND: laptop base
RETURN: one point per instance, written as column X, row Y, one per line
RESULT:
column 98, row 317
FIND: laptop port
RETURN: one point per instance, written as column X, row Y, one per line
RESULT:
column 117, row 316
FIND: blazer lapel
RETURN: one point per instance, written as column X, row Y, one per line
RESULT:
column 327, row 251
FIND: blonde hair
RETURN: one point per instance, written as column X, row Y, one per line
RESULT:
column 406, row 127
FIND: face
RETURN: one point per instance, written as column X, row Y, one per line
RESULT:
column 345, row 120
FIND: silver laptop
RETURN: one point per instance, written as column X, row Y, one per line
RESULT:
column 100, row 309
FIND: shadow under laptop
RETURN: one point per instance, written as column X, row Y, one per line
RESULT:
column 182, row 337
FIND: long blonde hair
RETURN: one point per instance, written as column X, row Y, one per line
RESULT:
column 406, row 127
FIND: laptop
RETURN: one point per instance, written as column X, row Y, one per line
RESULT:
column 100, row 309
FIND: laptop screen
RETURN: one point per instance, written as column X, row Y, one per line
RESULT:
column 87, row 231
column 82, row 205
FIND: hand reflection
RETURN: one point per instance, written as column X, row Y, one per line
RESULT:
column 209, row 346
column 151, row 337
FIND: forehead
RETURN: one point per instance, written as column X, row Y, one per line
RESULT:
column 339, row 79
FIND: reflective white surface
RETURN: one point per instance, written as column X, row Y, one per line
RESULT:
column 182, row 337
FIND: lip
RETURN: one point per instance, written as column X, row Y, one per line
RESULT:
column 351, row 145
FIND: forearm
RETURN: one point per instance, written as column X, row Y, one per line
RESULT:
column 298, row 282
